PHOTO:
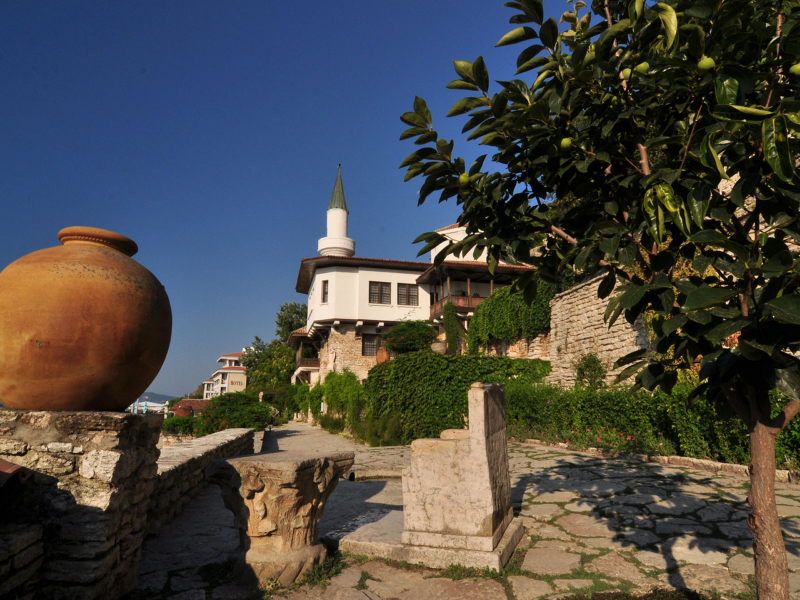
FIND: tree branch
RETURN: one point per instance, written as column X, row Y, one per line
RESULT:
column 787, row 414
column 689, row 141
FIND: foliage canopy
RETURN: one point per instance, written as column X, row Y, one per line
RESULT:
column 409, row 336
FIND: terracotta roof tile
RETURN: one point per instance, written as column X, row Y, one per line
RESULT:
column 196, row 405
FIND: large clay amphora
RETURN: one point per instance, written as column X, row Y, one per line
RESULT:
column 82, row 326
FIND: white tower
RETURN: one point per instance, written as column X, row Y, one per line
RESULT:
column 336, row 243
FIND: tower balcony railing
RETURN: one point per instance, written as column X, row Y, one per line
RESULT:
column 462, row 304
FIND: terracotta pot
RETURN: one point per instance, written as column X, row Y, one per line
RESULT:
column 82, row 326
column 184, row 411
column 383, row 355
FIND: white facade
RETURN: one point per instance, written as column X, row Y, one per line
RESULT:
column 456, row 233
column 348, row 295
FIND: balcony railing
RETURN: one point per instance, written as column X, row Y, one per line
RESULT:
column 308, row 362
column 462, row 303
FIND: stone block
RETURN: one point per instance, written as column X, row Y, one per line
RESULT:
column 457, row 491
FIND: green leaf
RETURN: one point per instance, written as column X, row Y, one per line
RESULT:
column 413, row 119
column 708, row 236
column 705, row 297
column 710, row 158
column 460, row 84
column 480, row 74
column 698, row 201
column 669, row 21
column 785, row 309
column 630, row 357
column 549, row 32
column 607, row 285
column 727, row 89
column 629, row 371
column 464, row 70
column 672, row 325
column 417, row 156
column 776, row 147
column 465, row 105
column 744, row 114
column 726, row 329
column 421, row 108
column 515, row 36
column 787, row 381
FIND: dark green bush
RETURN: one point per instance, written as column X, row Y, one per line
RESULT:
column 332, row 423
column 237, row 409
column 590, row 371
column 428, row 391
column 182, row 425
column 409, row 336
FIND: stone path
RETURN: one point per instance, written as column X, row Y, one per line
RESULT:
column 594, row 524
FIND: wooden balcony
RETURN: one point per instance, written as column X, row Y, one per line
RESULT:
column 307, row 362
column 463, row 304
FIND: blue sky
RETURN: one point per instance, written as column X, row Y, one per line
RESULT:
column 209, row 132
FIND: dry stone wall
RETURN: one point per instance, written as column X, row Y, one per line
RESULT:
column 343, row 347
column 21, row 556
column 577, row 328
column 182, row 470
column 93, row 476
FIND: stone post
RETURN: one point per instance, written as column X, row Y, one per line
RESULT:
column 93, row 475
column 457, row 491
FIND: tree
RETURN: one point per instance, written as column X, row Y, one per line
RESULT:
column 198, row 392
column 290, row 316
column 268, row 366
column 667, row 133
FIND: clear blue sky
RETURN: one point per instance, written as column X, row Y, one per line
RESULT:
column 209, row 132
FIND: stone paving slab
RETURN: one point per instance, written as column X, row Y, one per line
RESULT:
column 628, row 523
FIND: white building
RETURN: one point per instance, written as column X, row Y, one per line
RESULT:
column 353, row 300
column 230, row 377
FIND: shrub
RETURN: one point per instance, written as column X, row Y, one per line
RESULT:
column 237, row 409
column 332, row 423
column 344, row 396
column 409, row 336
column 428, row 392
column 506, row 316
column 589, row 371
column 181, row 425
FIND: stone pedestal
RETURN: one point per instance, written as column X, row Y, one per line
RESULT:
column 457, row 491
column 93, row 475
column 277, row 500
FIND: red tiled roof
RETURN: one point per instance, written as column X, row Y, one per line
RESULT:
column 453, row 226
column 233, row 355
column 196, row 405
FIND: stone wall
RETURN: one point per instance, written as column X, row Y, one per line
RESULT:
column 182, row 471
column 93, row 477
column 343, row 347
column 170, row 439
column 535, row 347
column 21, row 556
column 577, row 328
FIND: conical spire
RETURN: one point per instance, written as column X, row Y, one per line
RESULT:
column 337, row 198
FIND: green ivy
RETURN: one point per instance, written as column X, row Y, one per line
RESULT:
column 429, row 391
column 452, row 328
column 409, row 336
column 506, row 316
column 344, row 396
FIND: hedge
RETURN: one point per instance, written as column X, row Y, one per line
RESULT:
column 615, row 418
column 237, row 409
column 427, row 392
column 181, row 425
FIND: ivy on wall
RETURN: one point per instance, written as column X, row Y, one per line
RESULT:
column 428, row 391
column 507, row 317
column 452, row 328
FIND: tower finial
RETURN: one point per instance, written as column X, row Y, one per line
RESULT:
column 336, row 243
column 337, row 198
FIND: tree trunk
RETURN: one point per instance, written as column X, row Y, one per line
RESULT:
column 772, row 573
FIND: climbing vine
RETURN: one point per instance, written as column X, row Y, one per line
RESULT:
column 506, row 316
column 452, row 328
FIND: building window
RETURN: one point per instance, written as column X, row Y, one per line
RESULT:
column 369, row 344
column 408, row 294
column 380, row 293
column 325, row 291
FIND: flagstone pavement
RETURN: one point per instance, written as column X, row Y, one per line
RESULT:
column 593, row 524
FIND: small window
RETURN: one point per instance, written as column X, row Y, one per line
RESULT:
column 325, row 291
column 380, row 293
column 408, row 294
column 369, row 345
